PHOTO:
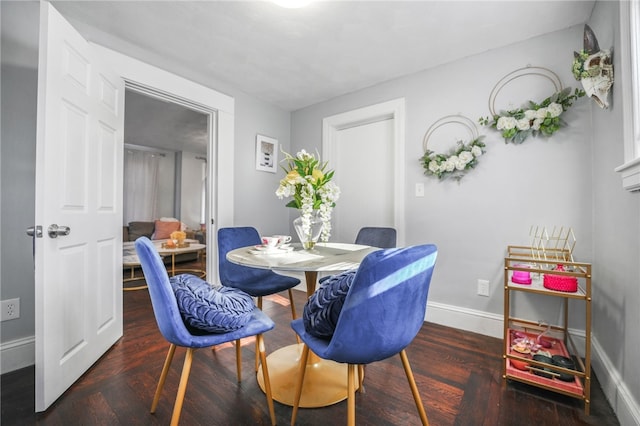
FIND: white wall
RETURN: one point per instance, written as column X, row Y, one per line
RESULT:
column 191, row 189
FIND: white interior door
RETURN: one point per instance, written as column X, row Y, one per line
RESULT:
column 365, row 147
column 366, row 186
column 78, row 277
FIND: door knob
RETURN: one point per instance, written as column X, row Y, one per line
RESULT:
column 55, row 230
column 35, row 231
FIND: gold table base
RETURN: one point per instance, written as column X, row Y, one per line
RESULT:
column 325, row 382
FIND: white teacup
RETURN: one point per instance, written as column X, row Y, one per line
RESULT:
column 270, row 242
column 282, row 239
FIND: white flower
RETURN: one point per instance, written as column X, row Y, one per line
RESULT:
column 523, row 124
column 433, row 166
column 506, row 123
column 450, row 164
column 555, row 109
column 476, row 151
column 536, row 123
column 530, row 114
column 541, row 113
column 465, row 157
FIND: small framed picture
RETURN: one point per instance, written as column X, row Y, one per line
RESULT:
column 266, row 153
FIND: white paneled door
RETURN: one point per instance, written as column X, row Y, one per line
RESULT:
column 78, row 276
column 365, row 147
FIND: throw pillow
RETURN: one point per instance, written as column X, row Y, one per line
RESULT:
column 322, row 310
column 164, row 229
column 140, row 229
column 213, row 309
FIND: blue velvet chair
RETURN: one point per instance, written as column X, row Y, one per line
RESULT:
column 253, row 281
column 383, row 311
column 174, row 330
column 380, row 237
column 256, row 282
column 373, row 236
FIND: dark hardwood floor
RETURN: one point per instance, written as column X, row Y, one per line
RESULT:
column 458, row 374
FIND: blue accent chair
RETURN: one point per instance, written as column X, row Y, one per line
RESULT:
column 177, row 333
column 373, row 236
column 380, row 237
column 253, row 281
column 382, row 313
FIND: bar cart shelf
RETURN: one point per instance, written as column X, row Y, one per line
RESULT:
column 519, row 365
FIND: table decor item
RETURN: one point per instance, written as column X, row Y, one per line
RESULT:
column 308, row 182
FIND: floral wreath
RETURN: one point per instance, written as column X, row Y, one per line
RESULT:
column 460, row 159
column 518, row 124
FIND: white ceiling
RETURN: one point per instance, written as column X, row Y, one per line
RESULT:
column 159, row 124
column 293, row 58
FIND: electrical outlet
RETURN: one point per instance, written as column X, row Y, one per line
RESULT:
column 10, row 309
column 483, row 288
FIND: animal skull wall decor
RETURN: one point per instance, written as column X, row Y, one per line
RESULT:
column 594, row 69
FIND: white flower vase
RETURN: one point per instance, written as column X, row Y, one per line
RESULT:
column 310, row 234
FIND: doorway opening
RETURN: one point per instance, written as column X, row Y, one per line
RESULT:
column 166, row 151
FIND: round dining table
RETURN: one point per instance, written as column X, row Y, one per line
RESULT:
column 325, row 381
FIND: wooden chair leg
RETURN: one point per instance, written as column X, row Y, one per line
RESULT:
column 182, row 387
column 351, row 395
column 301, row 370
column 293, row 306
column 265, row 376
column 257, row 362
column 361, row 378
column 163, row 376
column 293, row 312
column 414, row 388
column 238, row 360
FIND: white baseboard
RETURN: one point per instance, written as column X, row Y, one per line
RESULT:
column 624, row 405
column 17, row 354
column 465, row 319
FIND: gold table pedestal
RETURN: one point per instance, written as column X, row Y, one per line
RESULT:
column 325, row 382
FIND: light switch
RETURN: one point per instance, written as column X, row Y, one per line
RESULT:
column 419, row 189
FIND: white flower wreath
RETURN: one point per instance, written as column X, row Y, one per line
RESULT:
column 456, row 163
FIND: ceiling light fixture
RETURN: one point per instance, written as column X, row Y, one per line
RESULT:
column 292, row 4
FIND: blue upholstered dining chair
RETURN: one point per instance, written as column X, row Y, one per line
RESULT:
column 374, row 236
column 381, row 314
column 177, row 333
column 256, row 282
column 253, row 281
column 380, row 237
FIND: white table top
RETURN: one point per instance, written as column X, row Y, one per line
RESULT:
column 324, row 257
column 130, row 257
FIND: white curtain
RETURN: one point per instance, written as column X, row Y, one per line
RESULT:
column 141, row 170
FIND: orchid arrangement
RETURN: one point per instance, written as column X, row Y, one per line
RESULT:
column 456, row 163
column 309, row 184
column 516, row 125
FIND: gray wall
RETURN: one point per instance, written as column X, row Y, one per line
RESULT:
column 19, row 80
column 540, row 182
column 616, row 232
